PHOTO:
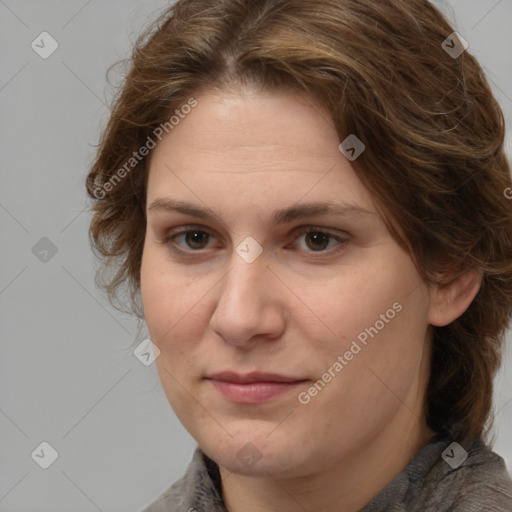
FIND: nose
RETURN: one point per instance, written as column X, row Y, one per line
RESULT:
column 250, row 305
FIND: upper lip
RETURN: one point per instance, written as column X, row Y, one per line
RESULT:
column 228, row 376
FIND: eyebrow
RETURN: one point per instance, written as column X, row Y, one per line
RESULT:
column 282, row 216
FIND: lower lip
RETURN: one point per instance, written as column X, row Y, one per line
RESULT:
column 255, row 392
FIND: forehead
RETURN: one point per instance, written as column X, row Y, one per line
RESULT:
column 261, row 147
column 254, row 125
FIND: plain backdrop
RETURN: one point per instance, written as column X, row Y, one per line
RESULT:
column 68, row 374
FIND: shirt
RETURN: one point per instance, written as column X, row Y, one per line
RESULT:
column 442, row 477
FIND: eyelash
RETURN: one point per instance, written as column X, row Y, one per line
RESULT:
column 168, row 240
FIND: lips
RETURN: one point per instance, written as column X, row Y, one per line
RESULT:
column 252, row 388
column 248, row 378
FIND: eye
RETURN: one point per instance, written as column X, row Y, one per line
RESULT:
column 318, row 240
column 195, row 239
column 190, row 239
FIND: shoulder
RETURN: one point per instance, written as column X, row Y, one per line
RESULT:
column 480, row 482
column 447, row 477
column 172, row 499
column 196, row 490
column 169, row 501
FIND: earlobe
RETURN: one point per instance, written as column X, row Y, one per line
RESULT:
column 449, row 301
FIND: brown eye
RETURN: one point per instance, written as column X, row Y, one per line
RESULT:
column 189, row 240
column 196, row 239
column 317, row 240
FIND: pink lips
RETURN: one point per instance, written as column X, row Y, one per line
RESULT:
column 252, row 388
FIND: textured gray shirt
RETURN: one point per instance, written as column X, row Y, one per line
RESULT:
column 437, row 479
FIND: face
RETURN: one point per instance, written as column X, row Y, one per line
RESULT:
column 242, row 273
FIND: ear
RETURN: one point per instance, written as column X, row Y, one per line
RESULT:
column 450, row 300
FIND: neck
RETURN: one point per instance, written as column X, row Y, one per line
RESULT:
column 347, row 487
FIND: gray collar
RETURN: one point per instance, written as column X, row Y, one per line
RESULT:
column 428, row 483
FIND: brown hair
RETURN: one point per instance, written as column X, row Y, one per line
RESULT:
column 434, row 157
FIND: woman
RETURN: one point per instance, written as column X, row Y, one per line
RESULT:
column 306, row 201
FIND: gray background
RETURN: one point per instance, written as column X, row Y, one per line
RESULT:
column 68, row 376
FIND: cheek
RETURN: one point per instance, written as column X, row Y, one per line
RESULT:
column 377, row 316
column 165, row 290
column 355, row 297
column 375, row 378
column 172, row 307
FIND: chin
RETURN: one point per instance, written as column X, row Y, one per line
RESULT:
column 254, row 453
column 247, row 462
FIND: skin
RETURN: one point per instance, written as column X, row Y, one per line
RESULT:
column 292, row 311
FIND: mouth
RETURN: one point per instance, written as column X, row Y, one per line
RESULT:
column 252, row 388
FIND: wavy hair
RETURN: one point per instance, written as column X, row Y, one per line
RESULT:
column 434, row 158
